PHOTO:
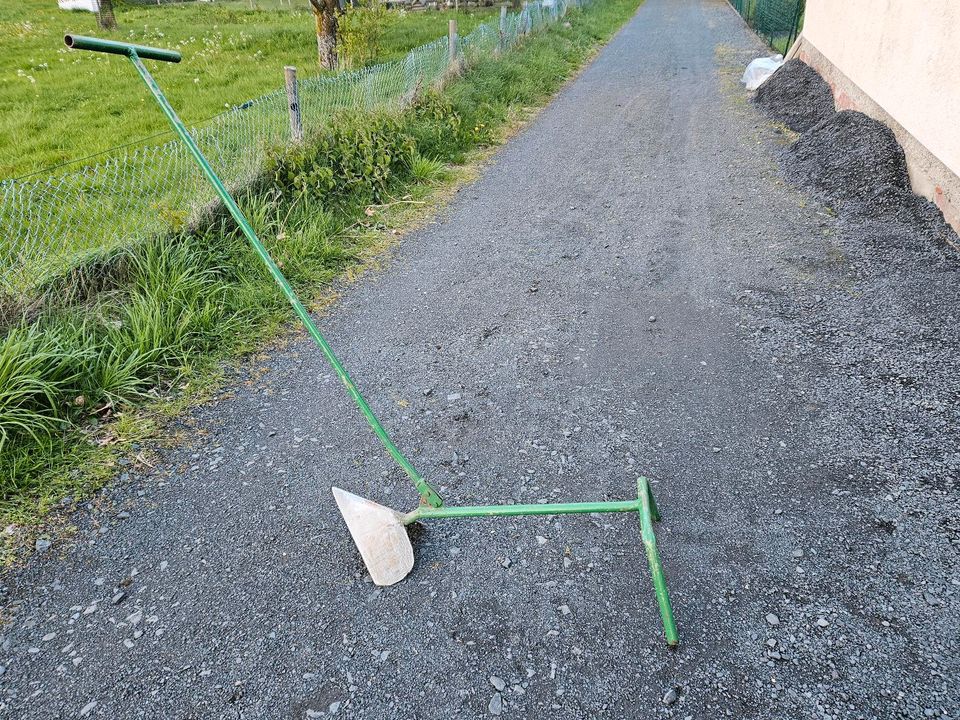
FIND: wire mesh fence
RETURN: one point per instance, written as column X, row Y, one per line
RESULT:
column 50, row 225
column 776, row 21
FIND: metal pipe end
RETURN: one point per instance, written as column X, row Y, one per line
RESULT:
column 112, row 47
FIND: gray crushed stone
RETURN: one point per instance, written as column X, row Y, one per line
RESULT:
column 795, row 404
column 796, row 96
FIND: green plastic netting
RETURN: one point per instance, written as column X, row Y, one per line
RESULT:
column 776, row 21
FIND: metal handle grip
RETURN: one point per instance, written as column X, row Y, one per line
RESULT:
column 79, row 42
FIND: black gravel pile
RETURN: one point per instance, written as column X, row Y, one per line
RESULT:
column 849, row 157
column 796, row 96
column 855, row 164
column 897, row 218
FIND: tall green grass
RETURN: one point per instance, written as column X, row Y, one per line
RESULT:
column 37, row 373
column 177, row 306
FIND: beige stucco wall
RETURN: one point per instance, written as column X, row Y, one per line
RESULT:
column 899, row 58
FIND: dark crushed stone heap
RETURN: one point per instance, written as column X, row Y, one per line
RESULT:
column 855, row 164
column 916, row 230
column 796, row 96
column 849, row 157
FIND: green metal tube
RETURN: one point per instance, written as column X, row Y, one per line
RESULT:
column 645, row 506
column 427, row 493
column 80, row 42
column 479, row 511
column 653, row 558
column 654, row 510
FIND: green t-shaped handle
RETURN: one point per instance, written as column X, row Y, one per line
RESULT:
column 81, row 42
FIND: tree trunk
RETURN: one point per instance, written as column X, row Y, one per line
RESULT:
column 105, row 18
column 325, row 17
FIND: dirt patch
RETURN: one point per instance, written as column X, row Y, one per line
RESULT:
column 796, row 96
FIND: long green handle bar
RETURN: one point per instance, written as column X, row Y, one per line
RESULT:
column 134, row 53
column 644, row 505
column 480, row 511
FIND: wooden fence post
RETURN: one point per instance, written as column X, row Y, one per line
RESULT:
column 293, row 103
column 452, row 39
column 503, row 28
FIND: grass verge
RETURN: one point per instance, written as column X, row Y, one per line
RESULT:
column 82, row 387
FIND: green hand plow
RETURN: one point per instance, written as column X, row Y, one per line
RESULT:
column 379, row 532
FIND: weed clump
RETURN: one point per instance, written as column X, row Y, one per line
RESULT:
column 353, row 159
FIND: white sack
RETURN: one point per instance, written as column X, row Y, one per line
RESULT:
column 90, row 5
column 759, row 70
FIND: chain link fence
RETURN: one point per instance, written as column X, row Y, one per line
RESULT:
column 53, row 224
column 776, row 21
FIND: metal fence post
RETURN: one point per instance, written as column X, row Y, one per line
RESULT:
column 293, row 103
column 795, row 25
column 453, row 42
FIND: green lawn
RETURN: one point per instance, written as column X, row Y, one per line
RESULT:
column 58, row 105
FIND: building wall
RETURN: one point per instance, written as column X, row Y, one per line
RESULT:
column 899, row 59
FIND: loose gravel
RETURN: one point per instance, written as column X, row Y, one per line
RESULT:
column 796, row 96
column 795, row 403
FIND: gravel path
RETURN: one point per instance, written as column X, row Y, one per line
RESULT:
column 629, row 288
